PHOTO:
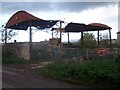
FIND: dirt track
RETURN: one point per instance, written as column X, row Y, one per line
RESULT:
column 25, row 76
column 28, row 68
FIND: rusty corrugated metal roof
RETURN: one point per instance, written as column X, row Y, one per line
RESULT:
column 19, row 17
column 79, row 27
column 100, row 25
column 21, row 20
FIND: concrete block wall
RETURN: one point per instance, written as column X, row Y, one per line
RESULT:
column 20, row 50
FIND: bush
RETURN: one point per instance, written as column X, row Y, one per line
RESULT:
column 97, row 72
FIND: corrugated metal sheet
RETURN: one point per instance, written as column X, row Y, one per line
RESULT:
column 77, row 27
column 22, row 20
column 19, row 17
column 100, row 25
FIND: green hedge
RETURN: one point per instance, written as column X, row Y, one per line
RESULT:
column 97, row 73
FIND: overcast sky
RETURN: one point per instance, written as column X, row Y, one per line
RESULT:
column 79, row 12
column 10, row 7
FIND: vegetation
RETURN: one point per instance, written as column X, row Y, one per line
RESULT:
column 13, row 60
column 104, row 40
column 89, row 40
column 10, row 34
column 96, row 73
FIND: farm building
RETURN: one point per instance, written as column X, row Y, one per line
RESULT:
column 118, row 37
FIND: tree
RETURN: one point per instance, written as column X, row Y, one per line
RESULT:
column 105, row 40
column 89, row 40
column 10, row 34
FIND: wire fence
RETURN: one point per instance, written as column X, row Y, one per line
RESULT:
column 74, row 54
column 44, row 52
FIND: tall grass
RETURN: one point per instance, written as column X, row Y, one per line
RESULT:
column 96, row 72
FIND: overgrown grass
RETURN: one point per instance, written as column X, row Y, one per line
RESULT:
column 13, row 60
column 97, row 73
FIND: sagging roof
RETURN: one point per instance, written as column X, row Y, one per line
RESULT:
column 77, row 27
column 97, row 26
column 21, row 20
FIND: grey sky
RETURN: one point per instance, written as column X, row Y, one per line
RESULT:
column 44, row 10
column 11, row 7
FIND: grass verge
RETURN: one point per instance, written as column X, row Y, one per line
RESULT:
column 13, row 60
column 96, row 73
